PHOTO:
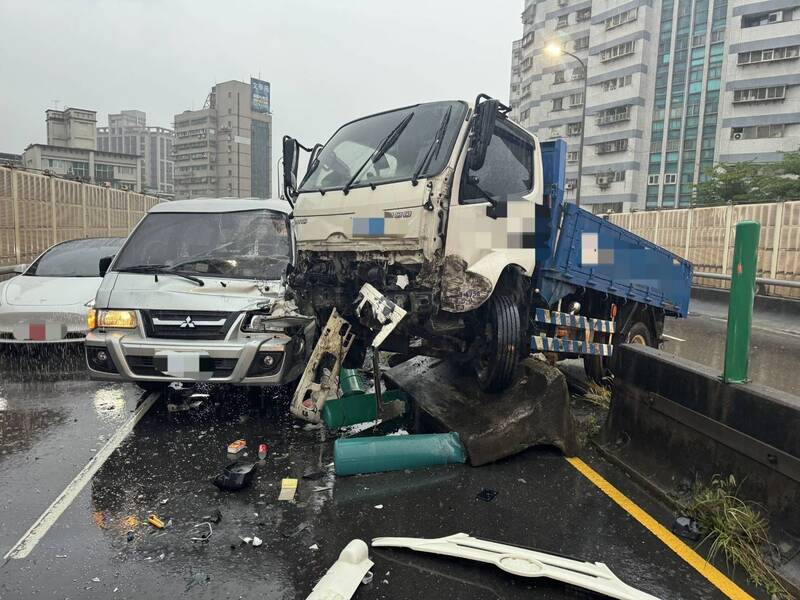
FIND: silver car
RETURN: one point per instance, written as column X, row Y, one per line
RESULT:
column 48, row 301
column 197, row 293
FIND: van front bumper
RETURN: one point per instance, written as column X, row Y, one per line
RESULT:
column 125, row 356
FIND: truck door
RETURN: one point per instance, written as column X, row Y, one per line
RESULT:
column 491, row 217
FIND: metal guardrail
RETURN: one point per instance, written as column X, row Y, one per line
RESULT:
column 8, row 269
column 761, row 280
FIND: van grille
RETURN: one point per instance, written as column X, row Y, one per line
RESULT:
column 187, row 325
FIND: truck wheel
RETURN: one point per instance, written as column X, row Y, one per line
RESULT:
column 499, row 353
column 598, row 368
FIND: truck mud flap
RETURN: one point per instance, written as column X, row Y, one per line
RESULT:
column 320, row 380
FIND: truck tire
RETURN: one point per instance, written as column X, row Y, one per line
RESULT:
column 598, row 368
column 500, row 342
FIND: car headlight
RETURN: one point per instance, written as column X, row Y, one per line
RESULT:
column 115, row 319
column 258, row 322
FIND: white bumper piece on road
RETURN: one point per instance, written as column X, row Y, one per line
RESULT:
column 596, row 577
column 343, row 578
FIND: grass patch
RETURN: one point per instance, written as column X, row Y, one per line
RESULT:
column 598, row 394
column 738, row 530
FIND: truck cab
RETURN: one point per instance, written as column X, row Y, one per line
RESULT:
column 455, row 214
column 197, row 294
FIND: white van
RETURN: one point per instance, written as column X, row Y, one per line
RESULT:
column 197, row 293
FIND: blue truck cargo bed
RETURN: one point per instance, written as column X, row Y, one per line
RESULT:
column 582, row 250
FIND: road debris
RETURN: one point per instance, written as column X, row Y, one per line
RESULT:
column 346, row 574
column 257, row 541
column 687, row 528
column 288, row 489
column 313, row 547
column 262, row 451
column 379, row 506
column 367, row 578
column 215, row 516
column 155, row 522
column 196, row 577
column 200, row 532
column 523, row 562
column 486, row 495
column 235, row 476
column 396, row 453
column 236, row 447
column 297, row 530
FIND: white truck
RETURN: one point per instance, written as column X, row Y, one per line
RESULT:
column 456, row 214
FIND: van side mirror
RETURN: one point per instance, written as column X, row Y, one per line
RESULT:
column 291, row 152
column 103, row 265
column 482, row 131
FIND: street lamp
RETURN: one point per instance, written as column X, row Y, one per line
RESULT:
column 556, row 50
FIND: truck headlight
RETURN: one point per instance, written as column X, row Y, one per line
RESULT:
column 91, row 319
column 115, row 319
column 257, row 322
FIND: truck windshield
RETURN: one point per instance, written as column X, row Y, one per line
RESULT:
column 420, row 150
column 243, row 245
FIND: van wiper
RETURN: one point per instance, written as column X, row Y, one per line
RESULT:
column 387, row 143
column 433, row 149
column 159, row 269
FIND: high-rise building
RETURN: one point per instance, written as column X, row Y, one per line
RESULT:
column 72, row 128
column 225, row 148
column 670, row 88
column 128, row 133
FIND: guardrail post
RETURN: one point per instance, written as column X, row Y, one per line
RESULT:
column 51, row 188
column 688, row 233
column 15, row 211
column 740, row 306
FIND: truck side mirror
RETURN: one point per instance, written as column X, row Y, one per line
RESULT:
column 103, row 264
column 482, row 131
column 291, row 152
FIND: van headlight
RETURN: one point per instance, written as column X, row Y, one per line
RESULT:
column 115, row 319
column 258, row 322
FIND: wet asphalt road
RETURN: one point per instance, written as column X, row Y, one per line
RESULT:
column 50, row 428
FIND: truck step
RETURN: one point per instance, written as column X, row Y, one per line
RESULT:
column 567, row 320
column 541, row 343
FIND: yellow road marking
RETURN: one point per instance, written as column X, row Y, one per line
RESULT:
column 706, row 569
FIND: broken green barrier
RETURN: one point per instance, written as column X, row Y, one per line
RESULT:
column 351, row 382
column 396, row 452
column 362, row 408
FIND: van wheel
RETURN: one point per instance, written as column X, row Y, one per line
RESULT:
column 500, row 340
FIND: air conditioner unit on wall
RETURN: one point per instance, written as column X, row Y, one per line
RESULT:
column 570, row 185
column 603, row 182
column 737, row 136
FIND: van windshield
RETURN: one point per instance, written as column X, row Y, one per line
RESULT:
column 244, row 245
column 423, row 140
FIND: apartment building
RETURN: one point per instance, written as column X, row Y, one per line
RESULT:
column 111, row 169
column 72, row 128
column 127, row 132
column 664, row 93
column 225, row 148
column 760, row 104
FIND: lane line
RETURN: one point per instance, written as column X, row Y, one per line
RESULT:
column 706, row 569
column 48, row 518
column 672, row 337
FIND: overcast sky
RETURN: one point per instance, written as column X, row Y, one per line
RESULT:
column 328, row 60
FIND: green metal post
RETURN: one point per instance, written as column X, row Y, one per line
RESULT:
column 740, row 307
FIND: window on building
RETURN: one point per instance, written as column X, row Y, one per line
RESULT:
column 758, row 56
column 573, row 156
column 766, row 18
column 558, row 77
column 563, row 21
column 622, row 18
column 653, row 179
column 576, row 99
column 756, row 132
column 618, row 51
column 609, row 177
column 527, row 63
column 578, row 73
column 527, row 39
column 581, row 43
column 525, row 114
column 612, row 146
column 104, row 173
column 617, row 82
column 670, row 178
column 699, row 40
column 555, row 132
column 558, row 104
column 574, row 128
column 614, row 115
column 583, row 15
column 764, row 94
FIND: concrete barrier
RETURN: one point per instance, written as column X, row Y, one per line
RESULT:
column 674, row 422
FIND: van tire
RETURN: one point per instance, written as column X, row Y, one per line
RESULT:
column 500, row 342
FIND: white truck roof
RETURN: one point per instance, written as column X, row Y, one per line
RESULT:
column 220, row 205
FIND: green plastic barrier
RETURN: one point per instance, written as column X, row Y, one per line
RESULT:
column 396, row 452
column 351, row 382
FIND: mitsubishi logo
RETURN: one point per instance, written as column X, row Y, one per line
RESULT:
column 187, row 323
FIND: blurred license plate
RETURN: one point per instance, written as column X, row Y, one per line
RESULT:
column 43, row 331
column 197, row 365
